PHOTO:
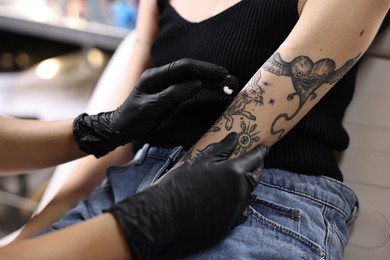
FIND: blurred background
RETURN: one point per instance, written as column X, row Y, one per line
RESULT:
column 52, row 53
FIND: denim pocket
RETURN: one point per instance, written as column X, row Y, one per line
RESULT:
column 285, row 221
column 281, row 215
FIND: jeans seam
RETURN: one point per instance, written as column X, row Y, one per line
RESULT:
column 314, row 247
column 168, row 159
column 331, row 231
column 307, row 196
column 289, row 212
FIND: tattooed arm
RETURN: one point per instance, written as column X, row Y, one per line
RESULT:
column 328, row 39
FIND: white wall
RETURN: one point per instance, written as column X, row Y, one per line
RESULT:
column 366, row 163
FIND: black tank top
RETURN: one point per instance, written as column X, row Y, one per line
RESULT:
column 241, row 39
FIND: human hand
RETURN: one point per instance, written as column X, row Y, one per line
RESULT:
column 202, row 198
column 158, row 92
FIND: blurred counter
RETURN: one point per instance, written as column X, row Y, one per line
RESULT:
column 91, row 23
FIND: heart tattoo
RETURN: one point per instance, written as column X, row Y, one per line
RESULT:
column 307, row 76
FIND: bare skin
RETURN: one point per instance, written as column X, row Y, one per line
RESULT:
column 98, row 238
column 31, row 144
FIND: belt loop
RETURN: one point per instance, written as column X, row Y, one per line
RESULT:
column 141, row 154
column 354, row 214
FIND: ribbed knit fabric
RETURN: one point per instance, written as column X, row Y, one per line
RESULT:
column 241, row 39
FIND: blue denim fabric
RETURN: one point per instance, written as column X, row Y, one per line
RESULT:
column 293, row 217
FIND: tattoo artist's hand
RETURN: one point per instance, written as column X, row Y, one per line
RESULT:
column 203, row 198
column 157, row 92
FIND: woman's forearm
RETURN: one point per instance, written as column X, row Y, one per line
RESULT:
column 305, row 67
column 269, row 105
column 98, row 238
column 32, row 144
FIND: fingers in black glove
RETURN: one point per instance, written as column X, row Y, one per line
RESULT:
column 249, row 163
column 203, row 198
column 168, row 98
column 228, row 85
column 221, row 150
column 156, row 79
column 156, row 94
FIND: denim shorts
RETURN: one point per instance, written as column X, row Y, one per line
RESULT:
column 294, row 216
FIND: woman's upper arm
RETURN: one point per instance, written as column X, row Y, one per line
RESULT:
column 336, row 28
column 145, row 31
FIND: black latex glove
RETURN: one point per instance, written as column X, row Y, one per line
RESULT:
column 157, row 93
column 204, row 197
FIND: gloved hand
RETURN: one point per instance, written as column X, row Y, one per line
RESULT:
column 157, row 92
column 204, row 197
